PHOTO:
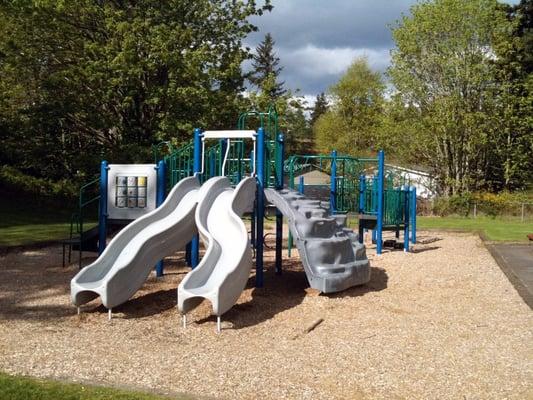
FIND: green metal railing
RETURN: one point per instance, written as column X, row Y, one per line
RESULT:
column 89, row 194
column 395, row 202
column 269, row 121
column 348, row 172
column 239, row 163
column 180, row 163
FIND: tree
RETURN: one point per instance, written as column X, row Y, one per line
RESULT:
column 509, row 162
column 81, row 80
column 444, row 70
column 319, row 108
column 266, row 69
column 352, row 122
column 298, row 138
column 264, row 76
column 522, row 13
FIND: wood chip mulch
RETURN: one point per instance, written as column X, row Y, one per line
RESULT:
column 440, row 322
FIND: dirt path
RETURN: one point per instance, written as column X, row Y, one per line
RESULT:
column 441, row 322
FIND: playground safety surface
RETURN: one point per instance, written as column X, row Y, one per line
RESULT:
column 516, row 261
column 441, row 322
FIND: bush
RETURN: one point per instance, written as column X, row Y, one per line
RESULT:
column 16, row 182
column 491, row 204
column 456, row 204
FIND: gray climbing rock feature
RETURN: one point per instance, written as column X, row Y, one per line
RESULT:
column 332, row 257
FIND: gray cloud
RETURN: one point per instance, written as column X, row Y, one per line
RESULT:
column 332, row 23
column 316, row 40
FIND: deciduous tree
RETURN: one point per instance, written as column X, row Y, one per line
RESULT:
column 352, row 122
column 444, row 69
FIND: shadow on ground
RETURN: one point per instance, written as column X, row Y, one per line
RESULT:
column 283, row 292
column 34, row 286
column 146, row 305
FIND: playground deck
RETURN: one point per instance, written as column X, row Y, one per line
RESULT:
column 442, row 322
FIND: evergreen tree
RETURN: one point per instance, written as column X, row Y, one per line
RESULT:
column 320, row 107
column 266, row 69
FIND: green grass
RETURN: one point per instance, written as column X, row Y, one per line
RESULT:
column 24, row 221
column 497, row 229
column 22, row 388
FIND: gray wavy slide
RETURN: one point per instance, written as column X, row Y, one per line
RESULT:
column 332, row 257
column 224, row 270
column 130, row 256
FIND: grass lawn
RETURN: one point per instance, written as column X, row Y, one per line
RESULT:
column 22, row 388
column 497, row 229
column 24, row 221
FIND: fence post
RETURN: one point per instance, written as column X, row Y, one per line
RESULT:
column 523, row 208
column 475, row 210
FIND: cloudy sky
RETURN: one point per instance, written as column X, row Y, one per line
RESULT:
column 316, row 40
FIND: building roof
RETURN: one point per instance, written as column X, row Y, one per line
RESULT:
column 314, row 177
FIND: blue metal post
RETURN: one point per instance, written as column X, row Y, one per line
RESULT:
column 253, row 227
column 405, row 193
column 301, row 187
column 188, row 253
column 333, row 183
column 279, row 215
column 197, row 168
column 362, row 189
column 260, row 169
column 381, row 174
column 102, row 210
column 160, row 198
column 212, row 167
column 413, row 214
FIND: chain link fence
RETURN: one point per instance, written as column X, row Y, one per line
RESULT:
column 517, row 211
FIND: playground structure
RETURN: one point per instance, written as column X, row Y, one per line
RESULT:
column 382, row 200
column 202, row 178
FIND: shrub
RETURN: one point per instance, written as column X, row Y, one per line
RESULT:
column 491, row 204
column 16, row 182
column 456, row 204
